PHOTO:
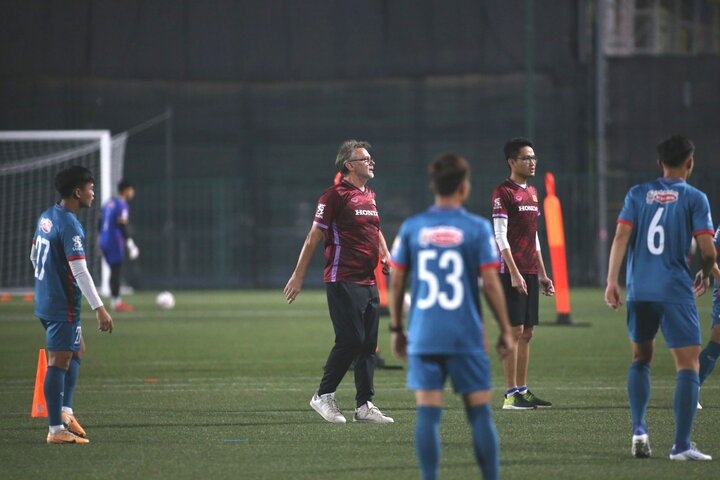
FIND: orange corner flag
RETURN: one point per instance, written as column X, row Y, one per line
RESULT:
column 39, row 408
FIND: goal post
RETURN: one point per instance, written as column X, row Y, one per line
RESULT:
column 29, row 161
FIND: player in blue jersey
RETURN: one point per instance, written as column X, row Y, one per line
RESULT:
column 710, row 354
column 61, row 275
column 655, row 227
column 442, row 252
column 114, row 237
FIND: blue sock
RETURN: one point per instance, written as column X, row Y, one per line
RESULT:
column 638, row 385
column 708, row 358
column 485, row 440
column 70, row 381
column 510, row 391
column 53, row 389
column 427, row 440
column 522, row 390
column 685, row 405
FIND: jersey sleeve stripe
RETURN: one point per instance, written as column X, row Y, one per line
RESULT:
column 76, row 257
column 703, row 232
column 490, row 265
column 321, row 225
column 397, row 265
column 625, row 222
column 499, row 215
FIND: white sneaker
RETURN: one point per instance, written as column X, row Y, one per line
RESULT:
column 690, row 454
column 641, row 446
column 327, row 407
column 369, row 413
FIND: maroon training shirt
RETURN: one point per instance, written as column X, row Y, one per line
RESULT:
column 349, row 219
column 520, row 206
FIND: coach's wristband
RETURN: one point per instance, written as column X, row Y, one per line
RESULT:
column 396, row 329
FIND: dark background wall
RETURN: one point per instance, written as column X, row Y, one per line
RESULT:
column 262, row 93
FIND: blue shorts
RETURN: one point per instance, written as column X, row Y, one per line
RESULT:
column 114, row 254
column 62, row 336
column 469, row 372
column 679, row 323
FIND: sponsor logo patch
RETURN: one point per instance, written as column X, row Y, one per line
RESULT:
column 662, row 197
column 366, row 213
column 518, row 198
column 497, row 203
column 320, row 210
column 77, row 243
column 527, row 208
column 46, row 225
column 442, row 236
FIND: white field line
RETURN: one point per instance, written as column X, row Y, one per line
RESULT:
column 194, row 314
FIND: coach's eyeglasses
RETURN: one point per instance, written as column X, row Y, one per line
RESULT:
column 365, row 160
column 528, row 159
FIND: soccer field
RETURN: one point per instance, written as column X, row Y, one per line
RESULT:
column 219, row 388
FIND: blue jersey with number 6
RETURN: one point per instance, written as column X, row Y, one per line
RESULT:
column 664, row 215
column 59, row 239
column 445, row 248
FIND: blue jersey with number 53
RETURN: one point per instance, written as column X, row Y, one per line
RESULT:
column 59, row 239
column 664, row 215
column 445, row 248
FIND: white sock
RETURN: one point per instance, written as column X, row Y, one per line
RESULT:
column 68, row 410
column 56, row 428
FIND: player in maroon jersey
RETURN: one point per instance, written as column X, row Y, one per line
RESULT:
column 347, row 220
column 522, row 271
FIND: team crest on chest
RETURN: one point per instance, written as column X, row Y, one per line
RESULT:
column 534, row 197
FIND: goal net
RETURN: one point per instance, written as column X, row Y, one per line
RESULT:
column 29, row 161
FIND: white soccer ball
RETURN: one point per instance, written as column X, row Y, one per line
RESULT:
column 165, row 300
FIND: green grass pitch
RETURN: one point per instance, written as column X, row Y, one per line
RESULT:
column 219, row 388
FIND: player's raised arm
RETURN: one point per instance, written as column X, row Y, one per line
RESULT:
column 617, row 253
column 292, row 289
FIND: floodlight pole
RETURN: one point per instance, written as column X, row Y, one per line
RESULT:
column 600, row 120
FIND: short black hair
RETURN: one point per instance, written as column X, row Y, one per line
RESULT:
column 513, row 146
column 124, row 185
column 448, row 171
column 71, row 178
column 674, row 150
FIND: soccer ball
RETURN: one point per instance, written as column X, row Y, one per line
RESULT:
column 165, row 300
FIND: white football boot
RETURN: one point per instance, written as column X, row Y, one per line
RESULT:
column 691, row 453
column 369, row 413
column 327, row 407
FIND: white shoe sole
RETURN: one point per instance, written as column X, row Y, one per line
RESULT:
column 513, row 407
column 640, row 446
column 379, row 422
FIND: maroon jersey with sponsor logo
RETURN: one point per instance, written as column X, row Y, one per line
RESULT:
column 520, row 206
column 349, row 219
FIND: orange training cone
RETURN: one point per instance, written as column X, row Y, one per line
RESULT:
column 556, row 242
column 30, row 297
column 39, row 408
column 5, row 297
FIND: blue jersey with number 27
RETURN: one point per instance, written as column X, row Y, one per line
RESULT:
column 445, row 248
column 59, row 239
column 664, row 215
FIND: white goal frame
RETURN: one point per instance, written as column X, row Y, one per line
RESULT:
column 106, row 187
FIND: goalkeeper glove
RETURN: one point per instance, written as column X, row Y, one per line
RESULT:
column 133, row 250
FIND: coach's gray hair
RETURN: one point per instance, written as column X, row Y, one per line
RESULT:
column 345, row 153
